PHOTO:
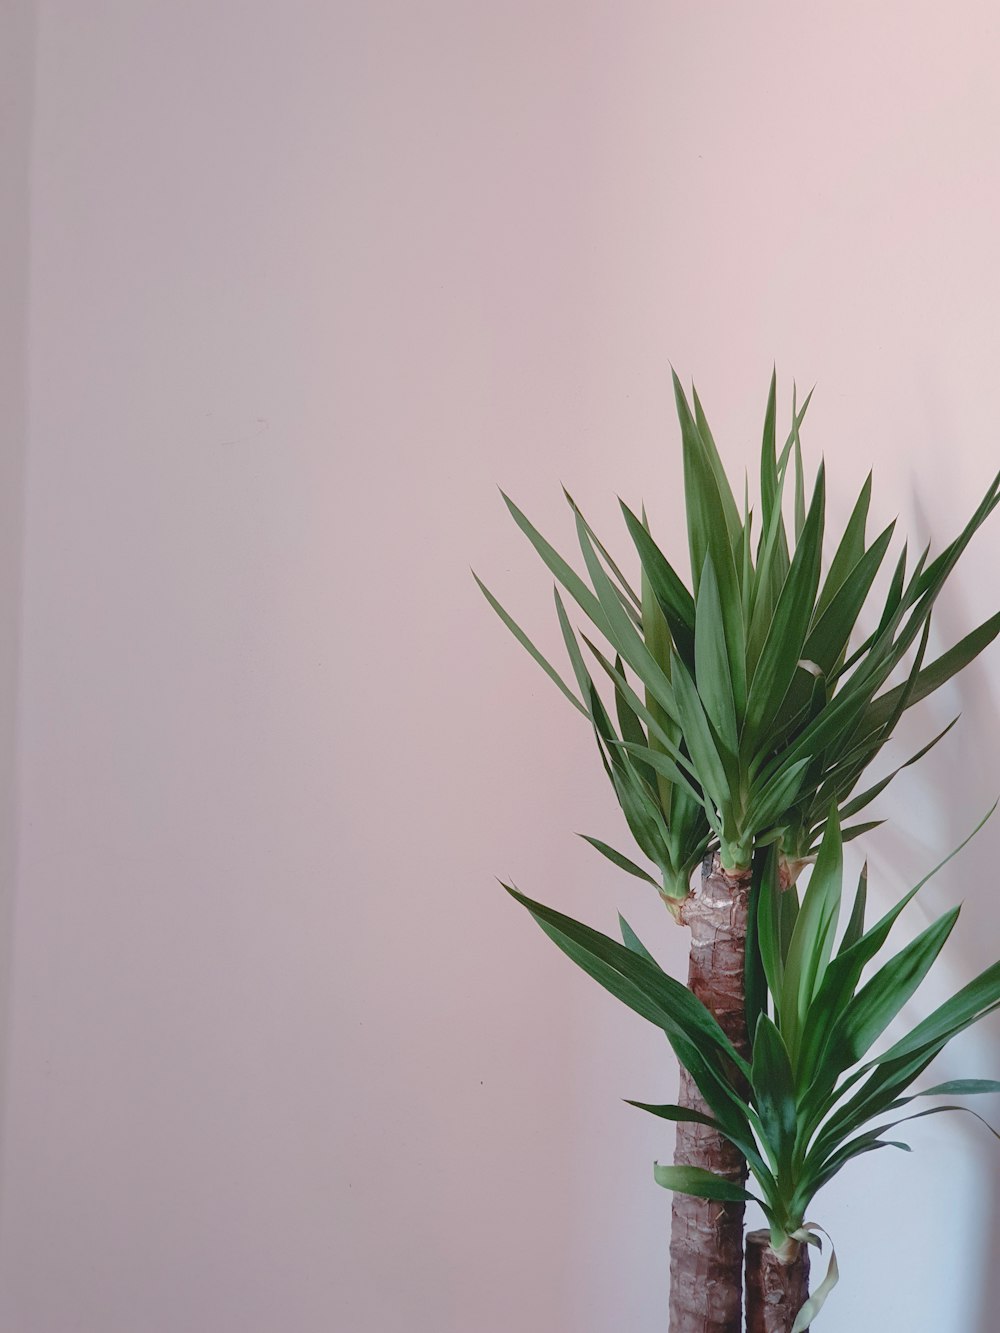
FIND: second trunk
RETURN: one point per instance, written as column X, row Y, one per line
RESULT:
column 706, row 1243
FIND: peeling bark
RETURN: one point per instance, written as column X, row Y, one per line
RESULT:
column 706, row 1243
column 776, row 1291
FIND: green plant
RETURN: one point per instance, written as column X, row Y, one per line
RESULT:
column 801, row 1107
column 753, row 717
column 740, row 719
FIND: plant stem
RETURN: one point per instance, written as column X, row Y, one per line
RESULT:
column 706, row 1244
column 776, row 1290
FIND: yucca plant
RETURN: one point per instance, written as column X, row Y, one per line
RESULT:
column 741, row 716
column 801, row 1106
column 753, row 719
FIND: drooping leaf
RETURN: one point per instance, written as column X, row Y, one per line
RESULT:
column 704, row 1184
column 682, row 1114
column 636, row 981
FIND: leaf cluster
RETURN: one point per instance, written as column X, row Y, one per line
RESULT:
column 802, row 1107
column 739, row 713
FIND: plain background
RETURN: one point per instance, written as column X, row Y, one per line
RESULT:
column 287, row 289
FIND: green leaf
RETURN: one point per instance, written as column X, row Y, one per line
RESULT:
column 697, row 1040
column 525, row 642
column 800, row 497
column 755, row 975
column 822, row 1028
column 785, row 639
column 772, row 550
column 632, row 941
column 660, row 763
column 774, row 1092
column 858, row 830
column 961, row 1087
column 631, row 729
column 659, row 641
column 770, row 497
column 711, row 658
column 622, row 633
column 643, row 815
column 849, row 551
column 583, row 677
column 932, row 677
column 874, row 1007
column 730, row 511
column 832, row 628
column 673, row 598
column 622, row 862
column 567, row 576
column 964, row 1008
column 640, row 984
column 814, row 1180
column 706, row 511
column 771, row 804
column 655, row 759
column 856, row 924
column 623, row 582
column 668, row 1111
column 708, row 763
column 937, row 571
column 769, row 920
column 703, row 1184
column 820, row 1176
column 811, row 944
column 858, row 803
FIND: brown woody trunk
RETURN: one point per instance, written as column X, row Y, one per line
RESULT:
column 776, row 1291
column 706, row 1243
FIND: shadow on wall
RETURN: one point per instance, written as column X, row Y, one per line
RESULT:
column 968, row 770
column 17, row 60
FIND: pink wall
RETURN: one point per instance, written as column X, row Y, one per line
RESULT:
column 306, row 281
column 16, row 78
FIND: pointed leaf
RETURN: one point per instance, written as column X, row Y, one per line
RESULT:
column 622, row 862
column 704, row 1184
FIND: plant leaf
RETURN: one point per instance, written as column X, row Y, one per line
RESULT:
column 704, row 1184
column 711, row 657
column 622, row 862
column 526, row 643
column 774, row 1092
column 674, row 600
column 871, row 1011
column 566, row 575
column 785, row 639
column 811, row 944
column 632, row 941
